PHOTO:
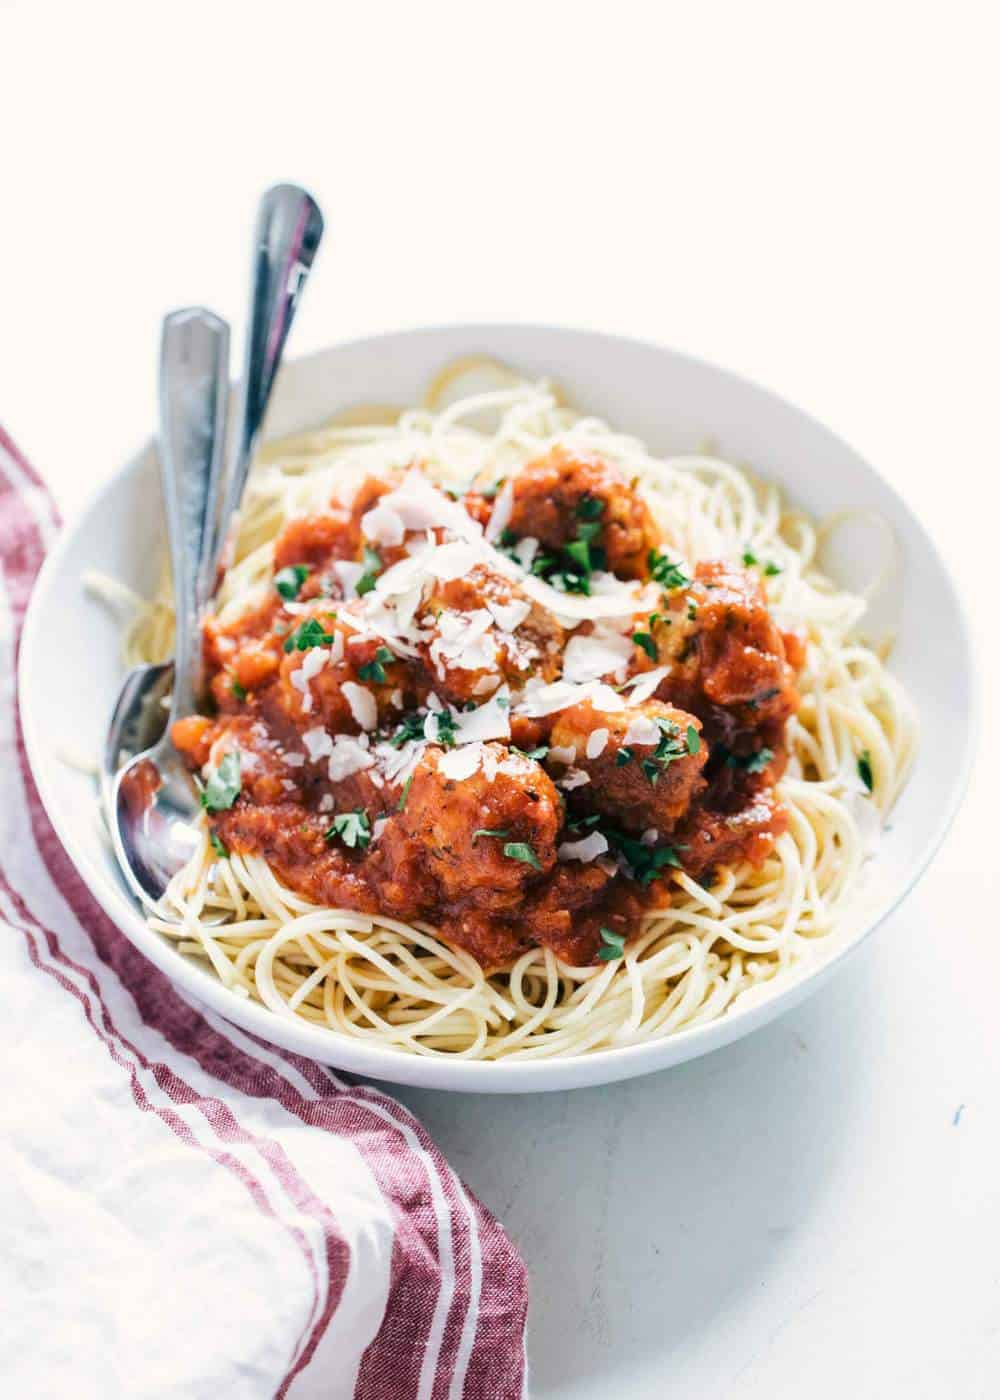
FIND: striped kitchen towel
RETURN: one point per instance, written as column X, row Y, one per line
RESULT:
column 185, row 1210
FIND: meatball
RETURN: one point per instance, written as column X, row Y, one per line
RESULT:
column 349, row 683
column 473, row 845
column 643, row 764
column 485, row 631
column 741, row 652
column 556, row 495
column 708, row 838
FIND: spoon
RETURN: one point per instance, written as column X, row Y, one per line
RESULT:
column 154, row 803
column 286, row 236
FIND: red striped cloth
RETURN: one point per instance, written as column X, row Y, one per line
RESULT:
column 191, row 1211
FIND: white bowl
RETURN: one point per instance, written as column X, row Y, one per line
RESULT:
column 70, row 667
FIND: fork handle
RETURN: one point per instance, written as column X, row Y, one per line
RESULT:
column 194, row 368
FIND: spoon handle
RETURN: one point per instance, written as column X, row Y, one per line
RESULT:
column 194, row 368
column 287, row 235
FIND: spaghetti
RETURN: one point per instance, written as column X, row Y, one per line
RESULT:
column 725, row 933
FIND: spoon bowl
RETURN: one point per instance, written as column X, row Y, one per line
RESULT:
column 153, row 803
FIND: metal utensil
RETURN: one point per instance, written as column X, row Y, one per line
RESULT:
column 287, row 235
column 154, row 803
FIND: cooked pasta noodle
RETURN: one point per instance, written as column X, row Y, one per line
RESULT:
column 377, row 979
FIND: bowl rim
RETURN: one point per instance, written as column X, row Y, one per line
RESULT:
column 357, row 1056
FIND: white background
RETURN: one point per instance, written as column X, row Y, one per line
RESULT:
column 804, row 193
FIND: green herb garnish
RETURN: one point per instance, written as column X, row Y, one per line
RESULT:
column 749, row 557
column 613, row 945
column 375, row 670
column 644, row 640
column 537, row 754
column 309, row 634
column 353, row 828
column 693, row 740
column 372, row 561
column 590, row 508
column 217, row 845
column 289, row 581
column 865, row 770
column 404, row 794
column 570, row 568
column 771, row 568
column 623, row 756
column 223, row 785
column 666, row 573
column 669, row 748
column 520, row 850
column 411, row 726
column 490, row 831
column 238, row 690
column 645, row 862
column 445, row 728
column 752, row 762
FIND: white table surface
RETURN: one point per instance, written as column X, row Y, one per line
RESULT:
column 803, row 193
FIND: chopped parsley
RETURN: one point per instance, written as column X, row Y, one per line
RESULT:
column 670, row 747
column 373, row 566
column 590, row 508
column 759, row 700
column 223, row 785
column 692, row 610
column 865, row 770
column 310, row 634
column 645, row 862
column 445, row 728
column 404, row 794
column 623, row 756
column 666, row 573
column 411, row 726
column 693, row 740
column 353, row 828
column 218, row 846
column 490, row 831
column 289, row 581
column 570, row 568
column 770, row 567
column 644, row 640
column 613, row 945
column 579, row 552
column 537, row 754
column 238, row 690
column 520, row 850
column 751, row 762
column 375, row 670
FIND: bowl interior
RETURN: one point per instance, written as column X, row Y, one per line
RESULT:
column 71, row 669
